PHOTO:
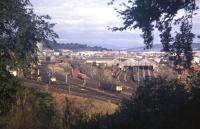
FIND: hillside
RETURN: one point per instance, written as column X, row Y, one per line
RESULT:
column 73, row 46
column 158, row 47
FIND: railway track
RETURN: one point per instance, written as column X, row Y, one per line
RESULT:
column 91, row 90
column 75, row 90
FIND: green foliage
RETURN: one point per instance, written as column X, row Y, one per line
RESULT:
column 20, row 30
column 194, row 80
column 33, row 110
column 8, row 89
column 157, row 104
column 38, row 110
column 149, row 15
column 182, row 45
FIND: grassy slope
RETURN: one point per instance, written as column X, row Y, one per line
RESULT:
column 89, row 105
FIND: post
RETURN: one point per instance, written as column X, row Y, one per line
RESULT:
column 138, row 70
column 38, row 72
column 84, row 82
column 49, row 78
column 38, row 75
column 69, row 84
column 66, row 79
column 138, row 75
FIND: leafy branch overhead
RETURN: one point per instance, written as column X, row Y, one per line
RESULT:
column 162, row 15
column 20, row 30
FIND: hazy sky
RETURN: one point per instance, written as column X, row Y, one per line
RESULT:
column 86, row 21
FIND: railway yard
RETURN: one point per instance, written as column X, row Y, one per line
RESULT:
column 90, row 90
column 107, row 76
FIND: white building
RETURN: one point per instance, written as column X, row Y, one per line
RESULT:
column 57, row 53
column 196, row 60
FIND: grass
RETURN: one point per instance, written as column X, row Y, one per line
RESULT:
column 88, row 105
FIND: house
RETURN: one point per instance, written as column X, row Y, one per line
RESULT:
column 127, row 62
column 196, row 60
column 57, row 53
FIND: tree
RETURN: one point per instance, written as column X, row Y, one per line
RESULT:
column 149, row 15
column 182, row 45
column 20, row 30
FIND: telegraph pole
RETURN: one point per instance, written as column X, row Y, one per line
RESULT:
column 119, row 57
column 67, row 79
column 138, row 76
column 69, row 84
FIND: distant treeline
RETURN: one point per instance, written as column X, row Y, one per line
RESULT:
column 73, row 46
column 159, row 47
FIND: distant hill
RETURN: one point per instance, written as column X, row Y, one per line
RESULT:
column 158, row 47
column 73, row 46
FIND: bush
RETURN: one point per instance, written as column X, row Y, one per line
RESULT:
column 37, row 110
column 157, row 104
column 8, row 90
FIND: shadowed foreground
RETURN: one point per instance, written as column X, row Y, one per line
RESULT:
column 157, row 104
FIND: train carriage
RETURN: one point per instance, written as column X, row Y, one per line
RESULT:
column 110, row 86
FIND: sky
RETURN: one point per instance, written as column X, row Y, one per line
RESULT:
column 87, row 21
